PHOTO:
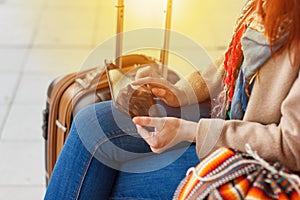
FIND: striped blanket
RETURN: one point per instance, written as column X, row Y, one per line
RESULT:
column 231, row 174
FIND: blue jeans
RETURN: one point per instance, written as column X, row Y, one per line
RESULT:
column 104, row 158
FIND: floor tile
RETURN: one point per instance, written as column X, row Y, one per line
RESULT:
column 8, row 82
column 66, row 27
column 22, row 193
column 56, row 60
column 17, row 25
column 19, row 126
column 22, row 163
column 11, row 60
column 33, row 88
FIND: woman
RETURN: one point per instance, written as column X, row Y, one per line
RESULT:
column 258, row 105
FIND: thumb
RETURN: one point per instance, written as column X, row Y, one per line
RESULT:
column 142, row 121
column 159, row 92
column 166, row 96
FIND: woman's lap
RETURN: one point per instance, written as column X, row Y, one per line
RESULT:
column 111, row 136
column 102, row 133
column 158, row 184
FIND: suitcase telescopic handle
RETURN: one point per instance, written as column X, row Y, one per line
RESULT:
column 164, row 52
column 165, row 48
column 120, row 27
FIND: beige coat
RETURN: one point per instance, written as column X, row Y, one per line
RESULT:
column 271, row 124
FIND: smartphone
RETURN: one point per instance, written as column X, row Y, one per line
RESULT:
column 134, row 101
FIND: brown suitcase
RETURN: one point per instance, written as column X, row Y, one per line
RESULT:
column 65, row 96
column 68, row 94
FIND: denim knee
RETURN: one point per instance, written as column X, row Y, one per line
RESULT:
column 108, row 134
column 94, row 123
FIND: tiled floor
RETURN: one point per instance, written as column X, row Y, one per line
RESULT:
column 42, row 39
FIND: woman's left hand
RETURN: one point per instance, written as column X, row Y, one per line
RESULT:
column 163, row 89
column 168, row 131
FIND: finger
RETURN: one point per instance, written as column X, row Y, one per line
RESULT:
column 149, row 137
column 141, row 121
column 150, row 69
column 153, row 81
column 166, row 96
column 144, row 133
column 143, row 72
column 156, row 122
column 158, row 150
column 162, row 94
column 159, row 92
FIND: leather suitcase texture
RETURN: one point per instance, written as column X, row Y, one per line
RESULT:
column 65, row 97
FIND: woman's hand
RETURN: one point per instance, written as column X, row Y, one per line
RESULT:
column 163, row 89
column 169, row 131
column 149, row 70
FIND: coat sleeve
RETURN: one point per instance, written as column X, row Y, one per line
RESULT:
column 273, row 142
column 204, row 84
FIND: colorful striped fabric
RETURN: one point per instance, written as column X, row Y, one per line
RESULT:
column 230, row 174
